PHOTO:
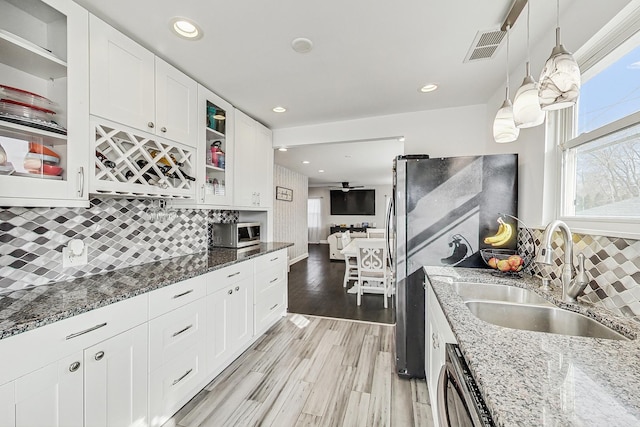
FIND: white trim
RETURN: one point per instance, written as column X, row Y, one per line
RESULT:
column 605, row 130
column 604, row 227
column 298, row 258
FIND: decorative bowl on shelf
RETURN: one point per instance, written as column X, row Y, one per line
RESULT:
column 505, row 260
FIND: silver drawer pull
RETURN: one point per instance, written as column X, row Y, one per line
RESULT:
column 234, row 274
column 99, row 355
column 183, row 294
column 274, row 280
column 77, row 334
column 275, row 258
column 237, row 288
column 74, row 366
column 182, row 377
column 175, row 334
column 230, row 291
column 274, row 306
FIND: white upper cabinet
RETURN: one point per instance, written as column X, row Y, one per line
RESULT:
column 253, row 167
column 130, row 85
column 44, row 107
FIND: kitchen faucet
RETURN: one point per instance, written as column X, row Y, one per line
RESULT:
column 571, row 287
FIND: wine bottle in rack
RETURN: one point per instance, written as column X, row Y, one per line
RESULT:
column 105, row 160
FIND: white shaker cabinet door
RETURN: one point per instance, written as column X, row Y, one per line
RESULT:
column 176, row 104
column 218, row 321
column 51, row 396
column 241, row 320
column 264, row 165
column 8, row 405
column 122, row 85
column 246, row 161
column 116, row 380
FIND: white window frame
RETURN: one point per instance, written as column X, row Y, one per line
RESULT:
column 622, row 32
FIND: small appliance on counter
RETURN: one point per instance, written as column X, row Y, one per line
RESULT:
column 238, row 235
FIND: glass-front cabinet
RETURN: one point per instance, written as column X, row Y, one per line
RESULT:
column 215, row 149
column 43, row 103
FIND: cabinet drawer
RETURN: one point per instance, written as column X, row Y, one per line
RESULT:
column 268, row 278
column 170, row 334
column 175, row 383
column 218, row 279
column 270, row 306
column 24, row 353
column 171, row 297
column 269, row 260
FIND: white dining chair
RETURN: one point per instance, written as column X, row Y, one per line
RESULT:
column 375, row 233
column 373, row 272
column 350, row 262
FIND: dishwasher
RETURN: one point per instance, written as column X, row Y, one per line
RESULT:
column 460, row 403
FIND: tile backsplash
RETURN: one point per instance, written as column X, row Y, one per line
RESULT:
column 613, row 264
column 117, row 232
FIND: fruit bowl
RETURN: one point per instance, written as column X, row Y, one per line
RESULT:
column 505, row 260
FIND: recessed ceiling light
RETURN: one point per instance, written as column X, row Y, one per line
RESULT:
column 279, row 109
column 428, row 88
column 302, row 45
column 305, row 162
column 185, row 28
column 282, row 149
column 348, row 156
column 321, row 170
column 401, row 139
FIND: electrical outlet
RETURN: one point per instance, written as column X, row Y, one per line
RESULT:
column 74, row 254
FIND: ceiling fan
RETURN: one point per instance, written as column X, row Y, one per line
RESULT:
column 346, row 187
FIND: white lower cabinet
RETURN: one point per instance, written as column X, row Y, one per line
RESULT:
column 50, row 396
column 115, row 374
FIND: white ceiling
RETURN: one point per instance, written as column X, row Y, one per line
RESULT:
column 369, row 56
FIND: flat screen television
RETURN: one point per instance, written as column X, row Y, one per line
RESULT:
column 353, row 202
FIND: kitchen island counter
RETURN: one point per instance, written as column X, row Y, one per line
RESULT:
column 534, row 378
column 27, row 309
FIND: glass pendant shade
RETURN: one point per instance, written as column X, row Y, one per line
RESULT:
column 526, row 105
column 504, row 128
column 560, row 79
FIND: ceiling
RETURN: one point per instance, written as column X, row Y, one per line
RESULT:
column 369, row 58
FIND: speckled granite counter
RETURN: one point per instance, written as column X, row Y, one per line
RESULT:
column 540, row 379
column 27, row 309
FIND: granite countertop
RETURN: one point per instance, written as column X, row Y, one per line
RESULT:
column 542, row 379
column 27, row 309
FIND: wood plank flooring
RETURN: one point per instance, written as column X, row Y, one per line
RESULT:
column 315, row 287
column 312, row 371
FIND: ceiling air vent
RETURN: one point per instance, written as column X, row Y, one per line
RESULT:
column 485, row 45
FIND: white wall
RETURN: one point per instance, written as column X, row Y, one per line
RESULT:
column 290, row 218
column 382, row 191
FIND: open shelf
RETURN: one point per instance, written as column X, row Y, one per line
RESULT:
column 23, row 55
column 215, row 132
column 16, row 130
column 214, row 168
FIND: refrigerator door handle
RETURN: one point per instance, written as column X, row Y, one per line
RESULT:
column 387, row 231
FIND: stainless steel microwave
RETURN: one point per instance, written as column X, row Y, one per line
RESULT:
column 237, row 235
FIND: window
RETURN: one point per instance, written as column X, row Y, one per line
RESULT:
column 600, row 138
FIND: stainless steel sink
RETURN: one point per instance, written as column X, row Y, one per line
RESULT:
column 485, row 291
column 540, row 319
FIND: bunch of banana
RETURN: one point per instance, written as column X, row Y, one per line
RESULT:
column 502, row 236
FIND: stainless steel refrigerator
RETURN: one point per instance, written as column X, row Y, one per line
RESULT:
column 440, row 210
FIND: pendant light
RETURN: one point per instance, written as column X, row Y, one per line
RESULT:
column 526, row 105
column 560, row 78
column 504, row 128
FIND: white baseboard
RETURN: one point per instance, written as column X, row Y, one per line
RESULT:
column 298, row 258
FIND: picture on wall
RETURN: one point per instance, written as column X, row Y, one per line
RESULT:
column 285, row 194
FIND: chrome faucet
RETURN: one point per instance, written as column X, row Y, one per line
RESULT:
column 571, row 287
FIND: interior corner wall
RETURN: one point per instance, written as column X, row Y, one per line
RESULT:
column 382, row 192
column 290, row 218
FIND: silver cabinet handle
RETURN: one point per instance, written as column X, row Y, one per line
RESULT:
column 274, row 306
column 99, row 355
column 74, row 366
column 175, row 334
column 80, row 181
column 151, row 125
column 203, row 194
column 183, row 294
column 182, row 377
column 163, row 129
column 274, row 259
column 77, row 334
column 274, row 280
column 233, row 274
column 237, row 288
column 230, row 291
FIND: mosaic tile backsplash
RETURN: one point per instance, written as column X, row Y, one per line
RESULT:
column 118, row 233
column 613, row 264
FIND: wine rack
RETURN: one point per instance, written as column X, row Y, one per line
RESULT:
column 129, row 162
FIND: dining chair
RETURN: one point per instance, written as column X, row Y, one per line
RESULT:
column 373, row 272
column 375, row 232
column 350, row 262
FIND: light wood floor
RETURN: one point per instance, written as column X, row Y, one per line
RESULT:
column 312, row 371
